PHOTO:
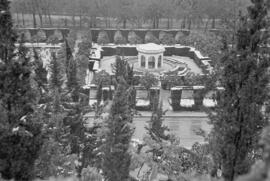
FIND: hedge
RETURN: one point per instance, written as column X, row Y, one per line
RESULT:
column 153, row 93
column 47, row 31
column 175, row 99
column 139, row 32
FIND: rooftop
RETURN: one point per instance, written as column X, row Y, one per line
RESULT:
column 150, row 48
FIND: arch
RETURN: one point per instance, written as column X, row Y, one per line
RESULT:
column 159, row 61
column 142, row 61
column 151, row 62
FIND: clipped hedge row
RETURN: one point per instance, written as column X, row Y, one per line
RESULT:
column 140, row 34
column 132, row 51
column 198, row 96
column 43, row 35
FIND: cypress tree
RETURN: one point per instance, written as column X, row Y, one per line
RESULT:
column 20, row 125
column 123, row 70
column 239, row 120
column 120, row 69
column 156, row 129
column 55, row 152
column 8, row 36
column 116, row 160
column 56, row 82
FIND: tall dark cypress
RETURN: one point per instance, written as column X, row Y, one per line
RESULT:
column 239, row 120
column 7, row 35
column 156, row 129
column 20, row 124
column 116, row 159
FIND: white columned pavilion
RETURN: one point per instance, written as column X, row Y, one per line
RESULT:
column 150, row 56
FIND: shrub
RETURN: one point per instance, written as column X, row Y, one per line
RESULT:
column 40, row 36
column 53, row 39
column 166, row 38
column 119, row 38
column 133, row 38
column 150, row 38
column 26, row 36
column 90, row 174
column 87, row 35
column 58, row 34
column 161, row 35
column 148, row 80
column 175, row 99
column 207, row 43
column 170, row 81
column 103, row 38
column 179, row 36
column 103, row 78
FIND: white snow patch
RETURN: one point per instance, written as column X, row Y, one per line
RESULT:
column 187, row 102
column 15, row 129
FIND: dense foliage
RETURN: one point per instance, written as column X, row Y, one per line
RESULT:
column 239, row 120
column 118, row 136
column 20, row 126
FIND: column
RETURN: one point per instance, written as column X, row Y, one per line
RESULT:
column 146, row 62
column 156, row 61
column 87, row 77
column 162, row 60
column 139, row 60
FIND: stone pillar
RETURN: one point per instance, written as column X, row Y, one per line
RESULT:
column 156, row 61
column 139, row 60
column 162, row 60
column 146, row 61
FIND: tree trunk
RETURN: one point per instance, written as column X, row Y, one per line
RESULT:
column 106, row 22
column 80, row 16
column 125, row 23
column 206, row 24
column 34, row 20
column 50, row 18
column 91, row 22
column 168, row 23
column 172, row 22
column 189, row 24
column 23, row 20
column 17, row 17
column 214, row 23
column 66, row 24
column 40, row 19
column 183, row 26
column 73, row 20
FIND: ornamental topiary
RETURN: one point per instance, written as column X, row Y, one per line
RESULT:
column 59, row 35
column 133, row 38
column 41, row 36
column 166, row 38
column 179, row 36
column 150, row 38
column 103, row 38
column 119, row 38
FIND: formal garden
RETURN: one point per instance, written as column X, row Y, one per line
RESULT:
column 140, row 102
